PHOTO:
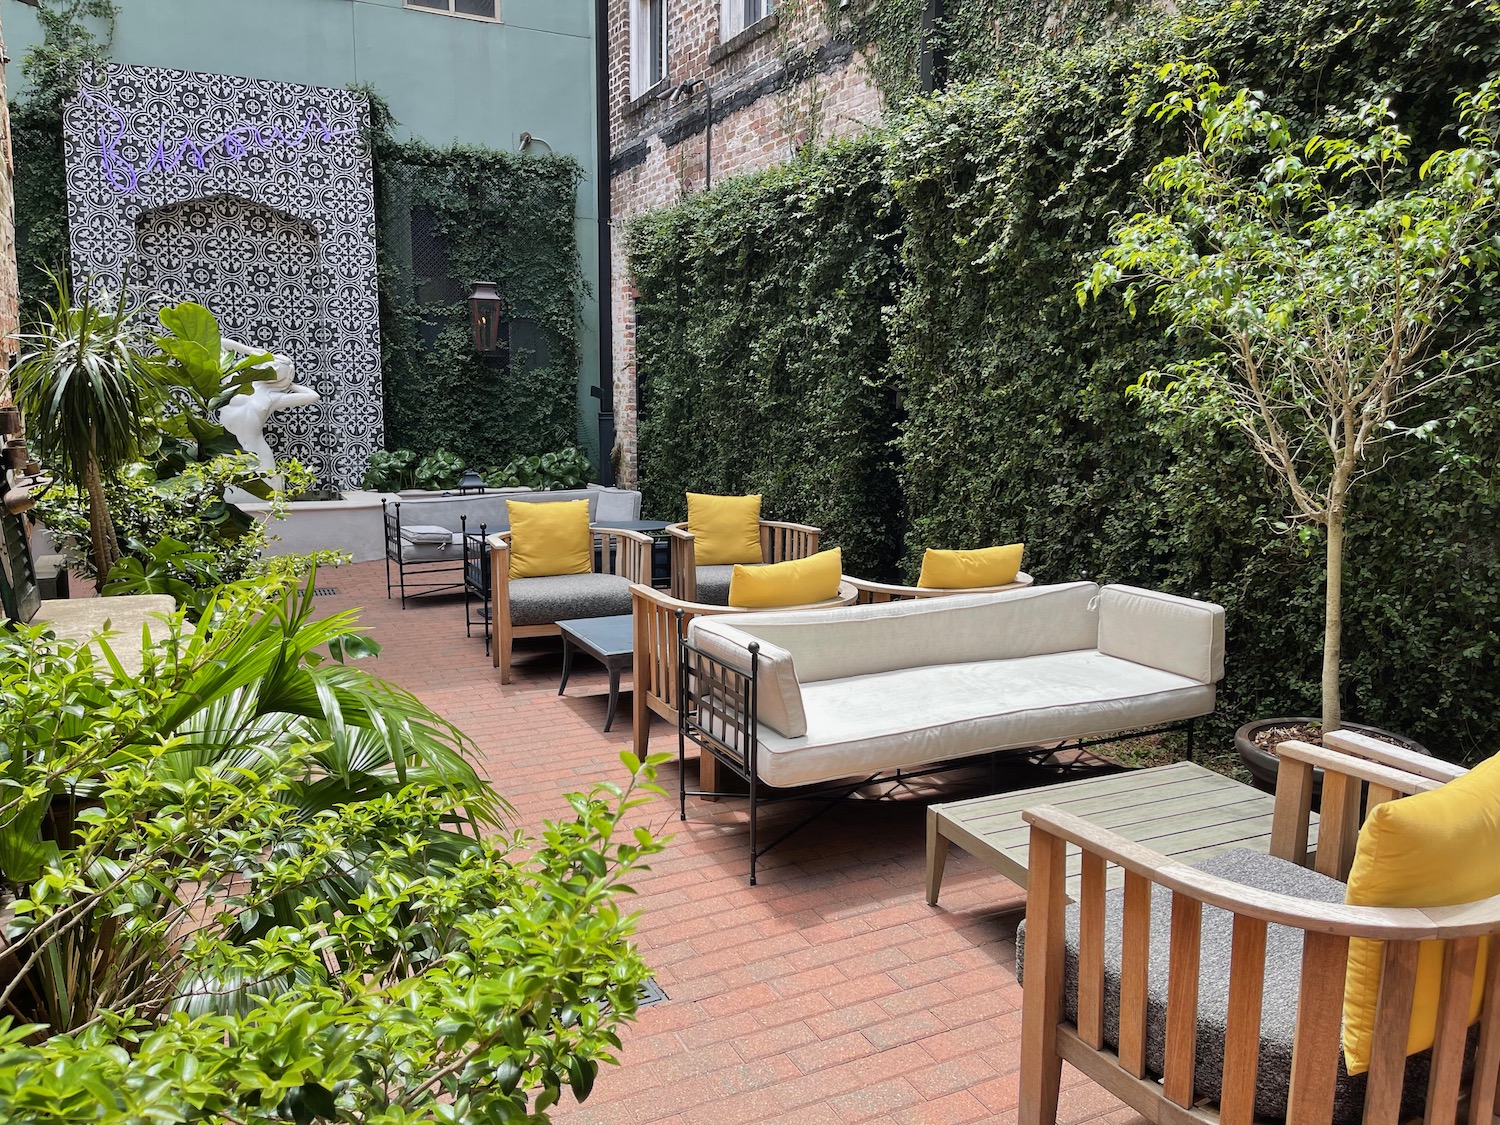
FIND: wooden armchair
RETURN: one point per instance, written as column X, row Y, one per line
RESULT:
column 1113, row 990
column 658, row 627
column 532, row 607
column 779, row 542
column 872, row 592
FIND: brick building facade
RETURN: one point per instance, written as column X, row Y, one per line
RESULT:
column 703, row 89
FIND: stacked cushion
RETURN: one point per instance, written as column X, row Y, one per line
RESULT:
column 550, row 539
column 725, row 529
column 970, row 570
column 795, row 582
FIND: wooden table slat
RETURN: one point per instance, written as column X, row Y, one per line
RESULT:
column 1183, row 811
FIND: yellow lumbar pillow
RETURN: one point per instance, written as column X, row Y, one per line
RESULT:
column 966, row 570
column 725, row 529
column 1430, row 849
column 550, row 538
column 799, row 582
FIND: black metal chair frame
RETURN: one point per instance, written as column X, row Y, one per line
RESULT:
column 421, row 568
column 718, row 710
column 476, row 580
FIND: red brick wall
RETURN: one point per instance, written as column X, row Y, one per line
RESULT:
column 776, row 91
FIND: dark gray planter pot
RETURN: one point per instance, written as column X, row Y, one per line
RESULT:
column 1263, row 766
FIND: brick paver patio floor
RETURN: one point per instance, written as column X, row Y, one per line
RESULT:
column 831, row 992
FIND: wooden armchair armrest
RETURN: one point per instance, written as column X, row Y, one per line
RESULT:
column 1344, row 802
column 873, row 592
column 625, row 553
column 1363, row 746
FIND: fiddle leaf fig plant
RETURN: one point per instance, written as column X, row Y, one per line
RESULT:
column 1324, row 277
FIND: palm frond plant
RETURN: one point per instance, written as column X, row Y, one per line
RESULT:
column 85, row 395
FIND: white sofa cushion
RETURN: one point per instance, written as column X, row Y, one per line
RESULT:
column 779, row 697
column 918, row 716
column 862, row 640
column 1167, row 632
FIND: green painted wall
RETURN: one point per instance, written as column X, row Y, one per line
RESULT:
column 447, row 79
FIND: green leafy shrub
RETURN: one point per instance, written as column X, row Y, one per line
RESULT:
column 254, row 885
column 390, row 471
column 439, row 469
column 567, row 468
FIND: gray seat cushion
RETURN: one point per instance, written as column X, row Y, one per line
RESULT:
column 562, row 597
column 451, row 551
column 1279, row 1000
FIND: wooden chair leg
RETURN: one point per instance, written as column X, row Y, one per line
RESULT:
column 1041, row 1005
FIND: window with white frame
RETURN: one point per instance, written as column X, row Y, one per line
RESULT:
column 736, row 15
column 648, row 44
column 474, row 9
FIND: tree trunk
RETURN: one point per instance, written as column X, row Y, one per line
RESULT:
column 101, row 528
column 1333, row 617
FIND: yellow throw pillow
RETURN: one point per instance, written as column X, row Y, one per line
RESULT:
column 1430, row 849
column 550, row 538
column 967, row 570
column 799, row 582
column 725, row 529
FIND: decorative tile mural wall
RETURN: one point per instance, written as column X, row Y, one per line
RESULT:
column 256, row 199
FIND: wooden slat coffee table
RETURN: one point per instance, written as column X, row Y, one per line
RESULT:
column 1182, row 810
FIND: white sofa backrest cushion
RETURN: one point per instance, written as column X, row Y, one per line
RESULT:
column 778, row 696
column 1163, row 631
column 830, row 644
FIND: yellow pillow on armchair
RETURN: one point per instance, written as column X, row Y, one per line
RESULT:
column 550, row 538
column 1430, row 849
column 798, row 582
column 725, row 529
column 969, row 570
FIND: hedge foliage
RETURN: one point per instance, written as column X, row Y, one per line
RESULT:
column 764, row 300
column 1007, row 417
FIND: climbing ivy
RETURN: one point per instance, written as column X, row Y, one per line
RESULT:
column 1008, row 418
column 760, row 330
column 971, row 38
column 479, row 213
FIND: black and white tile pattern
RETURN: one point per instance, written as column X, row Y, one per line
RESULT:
column 256, row 199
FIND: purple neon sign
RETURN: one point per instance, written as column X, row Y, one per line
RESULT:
column 237, row 142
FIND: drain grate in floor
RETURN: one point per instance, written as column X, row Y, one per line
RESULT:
column 324, row 591
column 651, row 993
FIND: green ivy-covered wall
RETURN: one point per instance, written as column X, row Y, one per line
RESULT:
column 1009, row 418
column 468, row 212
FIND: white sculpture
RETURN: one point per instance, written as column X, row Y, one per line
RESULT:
column 246, row 415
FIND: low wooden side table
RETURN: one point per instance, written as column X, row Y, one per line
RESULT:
column 1183, row 811
column 609, row 640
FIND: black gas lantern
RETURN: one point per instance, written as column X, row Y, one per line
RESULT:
column 487, row 314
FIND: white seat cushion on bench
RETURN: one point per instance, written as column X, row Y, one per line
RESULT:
column 917, row 716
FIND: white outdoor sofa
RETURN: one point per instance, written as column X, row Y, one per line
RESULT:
column 808, row 698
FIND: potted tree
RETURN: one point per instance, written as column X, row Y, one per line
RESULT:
column 1327, row 277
